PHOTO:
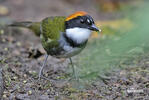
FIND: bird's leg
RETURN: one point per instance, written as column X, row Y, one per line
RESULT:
column 73, row 69
column 41, row 69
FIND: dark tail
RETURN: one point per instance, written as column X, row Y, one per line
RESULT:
column 34, row 26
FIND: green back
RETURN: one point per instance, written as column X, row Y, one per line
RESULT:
column 51, row 28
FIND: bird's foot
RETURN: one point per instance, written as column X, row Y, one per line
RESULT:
column 43, row 77
column 41, row 69
column 73, row 78
column 104, row 78
column 39, row 76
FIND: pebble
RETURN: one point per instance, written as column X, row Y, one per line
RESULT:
column 29, row 92
column 22, row 97
column 1, row 31
column 18, row 44
column 25, row 81
column 4, row 96
column 15, row 77
column 6, row 49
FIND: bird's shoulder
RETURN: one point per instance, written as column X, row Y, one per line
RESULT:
column 51, row 27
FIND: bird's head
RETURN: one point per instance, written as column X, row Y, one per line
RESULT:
column 79, row 26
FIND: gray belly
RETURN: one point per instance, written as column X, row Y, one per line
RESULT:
column 69, row 51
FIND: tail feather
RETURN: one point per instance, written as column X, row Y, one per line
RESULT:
column 21, row 24
column 34, row 26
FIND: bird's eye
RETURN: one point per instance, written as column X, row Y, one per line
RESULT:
column 82, row 21
column 89, row 22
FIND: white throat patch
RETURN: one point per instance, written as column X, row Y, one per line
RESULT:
column 79, row 35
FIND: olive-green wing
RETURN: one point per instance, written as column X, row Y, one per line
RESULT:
column 51, row 28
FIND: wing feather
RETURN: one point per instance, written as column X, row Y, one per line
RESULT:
column 51, row 28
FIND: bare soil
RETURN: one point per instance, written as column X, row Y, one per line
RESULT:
column 21, row 66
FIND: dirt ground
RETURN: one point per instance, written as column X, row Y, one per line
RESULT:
column 20, row 76
column 21, row 56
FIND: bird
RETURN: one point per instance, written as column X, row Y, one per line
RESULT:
column 62, row 36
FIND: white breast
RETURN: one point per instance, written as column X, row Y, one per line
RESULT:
column 79, row 35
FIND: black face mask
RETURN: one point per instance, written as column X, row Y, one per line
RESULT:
column 81, row 22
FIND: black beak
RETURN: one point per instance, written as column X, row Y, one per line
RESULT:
column 94, row 28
